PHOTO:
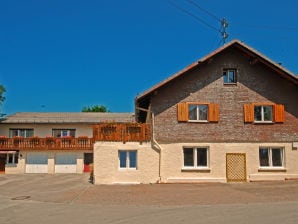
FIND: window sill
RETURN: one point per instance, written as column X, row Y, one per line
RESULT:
column 11, row 165
column 197, row 121
column 263, row 122
column 272, row 169
column 198, row 169
column 230, row 84
column 127, row 169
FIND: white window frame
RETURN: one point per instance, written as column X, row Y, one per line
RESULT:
column 63, row 132
column 262, row 114
column 198, row 113
column 271, row 166
column 26, row 132
column 127, row 161
column 14, row 155
column 226, row 72
column 195, row 162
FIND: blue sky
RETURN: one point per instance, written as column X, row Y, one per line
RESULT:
column 61, row 55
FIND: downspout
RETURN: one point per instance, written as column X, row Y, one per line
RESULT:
column 156, row 145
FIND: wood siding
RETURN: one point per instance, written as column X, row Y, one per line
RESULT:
column 122, row 132
column 46, row 144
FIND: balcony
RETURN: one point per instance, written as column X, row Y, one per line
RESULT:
column 48, row 143
column 119, row 132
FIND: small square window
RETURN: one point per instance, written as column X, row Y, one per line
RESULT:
column 127, row 159
column 229, row 76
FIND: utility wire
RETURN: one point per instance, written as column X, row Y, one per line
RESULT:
column 204, row 10
column 193, row 16
column 267, row 27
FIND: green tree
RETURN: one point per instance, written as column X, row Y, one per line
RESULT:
column 2, row 91
column 95, row 108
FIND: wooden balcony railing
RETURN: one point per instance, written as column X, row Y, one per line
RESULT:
column 50, row 143
column 119, row 132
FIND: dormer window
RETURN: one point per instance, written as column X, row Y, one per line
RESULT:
column 229, row 76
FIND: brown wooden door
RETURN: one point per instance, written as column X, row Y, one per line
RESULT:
column 2, row 162
column 236, row 167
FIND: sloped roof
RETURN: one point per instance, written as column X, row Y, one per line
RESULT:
column 254, row 54
column 63, row 118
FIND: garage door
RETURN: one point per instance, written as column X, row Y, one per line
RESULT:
column 37, row 163
column 65, row 163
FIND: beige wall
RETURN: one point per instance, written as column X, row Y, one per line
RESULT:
column 43, row 130
column 21, row 166
column 106, row 164
column 172, row 162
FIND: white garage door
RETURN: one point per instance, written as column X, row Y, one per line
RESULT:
column 65, row 163
column 37, row 163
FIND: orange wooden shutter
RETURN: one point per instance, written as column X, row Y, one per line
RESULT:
column 182, row 112
column 279, row 113
column 213, row 112
column 248, row 112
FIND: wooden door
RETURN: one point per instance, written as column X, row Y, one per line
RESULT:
column 2, row 163
column 236, row 167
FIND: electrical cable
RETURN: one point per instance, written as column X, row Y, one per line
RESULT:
column 193, row 16
column 204, row 10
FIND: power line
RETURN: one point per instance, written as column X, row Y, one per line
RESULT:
column 204, row 10
column 267, row 27
column 193, row 16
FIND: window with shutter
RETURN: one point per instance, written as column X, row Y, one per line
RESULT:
column 197, row 112
column 213, row 112
column 182, row 112
column 263, row 113
column 248, row 113
column 279, row 113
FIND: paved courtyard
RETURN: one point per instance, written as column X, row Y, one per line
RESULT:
column 70, row 198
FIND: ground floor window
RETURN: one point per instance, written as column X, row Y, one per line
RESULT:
column 195, row 157
column 271, row 157
column 12, row 158
column 127, row 159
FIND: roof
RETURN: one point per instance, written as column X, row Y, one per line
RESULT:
column 254, row 54
column 62, row 118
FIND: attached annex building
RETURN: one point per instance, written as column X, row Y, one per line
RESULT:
column 50, row 142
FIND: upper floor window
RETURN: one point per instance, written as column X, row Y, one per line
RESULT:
column 63, row 132
column 21, row 132
column 197, row 112
column 263, row 113
column 229, row 76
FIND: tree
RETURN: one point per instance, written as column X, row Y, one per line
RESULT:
column 95, row 108
column 2, row 91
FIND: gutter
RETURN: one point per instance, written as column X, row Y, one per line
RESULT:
column 156, row 145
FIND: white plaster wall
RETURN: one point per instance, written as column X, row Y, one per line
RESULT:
column 43, row 130
column 106, row 164
column 20, row 168
column 172, row 162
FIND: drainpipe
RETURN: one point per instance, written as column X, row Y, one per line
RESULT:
column 156, row 145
